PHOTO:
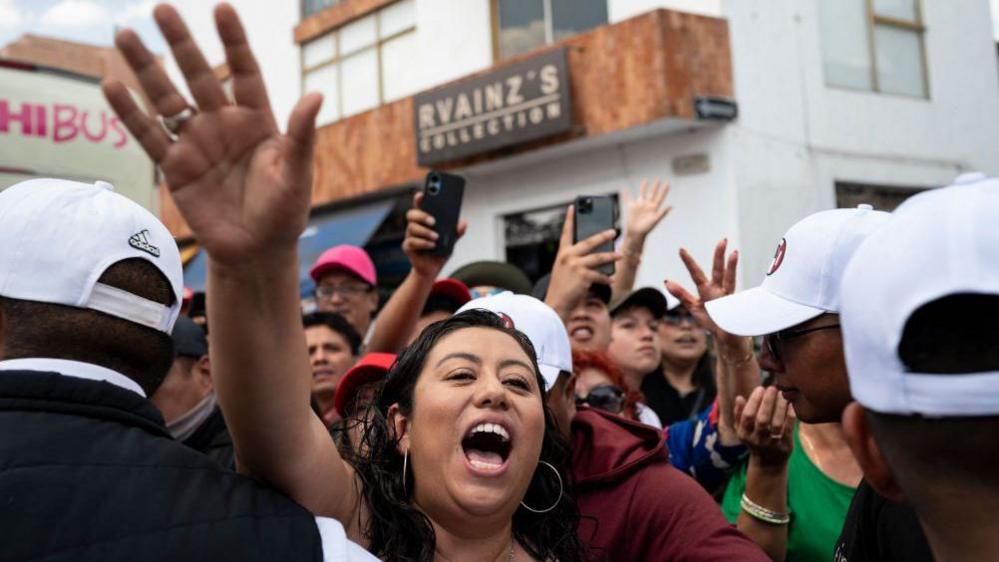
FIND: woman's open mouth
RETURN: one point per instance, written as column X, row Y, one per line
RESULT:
column 487, row 447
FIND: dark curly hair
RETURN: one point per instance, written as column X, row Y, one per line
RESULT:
column 396, row 529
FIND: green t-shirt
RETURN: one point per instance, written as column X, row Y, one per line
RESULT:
column 818, row 507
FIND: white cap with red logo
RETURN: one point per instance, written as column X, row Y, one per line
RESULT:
column 804, row 276
column 539, row 323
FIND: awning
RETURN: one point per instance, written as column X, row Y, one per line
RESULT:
column 353, row 225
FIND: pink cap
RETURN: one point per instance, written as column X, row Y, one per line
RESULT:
column 347, row 258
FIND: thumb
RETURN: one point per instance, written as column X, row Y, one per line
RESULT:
column 567, row 229
column 302, row 133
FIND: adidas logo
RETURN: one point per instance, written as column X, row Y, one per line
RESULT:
column 140, row 241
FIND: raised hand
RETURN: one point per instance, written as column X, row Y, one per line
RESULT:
column 765, row 424
column 421, row 238
column 720, row 284
column 647, row 211
column 575, row 267
column 243, row 186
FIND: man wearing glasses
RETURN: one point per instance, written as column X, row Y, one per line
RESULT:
column 796, row 310
column 346, row 284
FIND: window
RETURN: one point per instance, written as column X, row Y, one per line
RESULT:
column 874, row 45
column 367, row 62
column 310, row 7
column 525, row 25
column 532, row 238
column 881, row 197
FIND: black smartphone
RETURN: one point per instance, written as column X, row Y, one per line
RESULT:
column 593, row 215
column 442, row 195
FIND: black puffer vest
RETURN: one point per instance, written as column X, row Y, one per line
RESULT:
column 88, row 472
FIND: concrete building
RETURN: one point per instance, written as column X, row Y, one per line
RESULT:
column 757, row 111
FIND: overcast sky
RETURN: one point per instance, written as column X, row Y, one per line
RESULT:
column 94, row 21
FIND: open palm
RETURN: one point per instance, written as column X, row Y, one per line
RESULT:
column 242, row 185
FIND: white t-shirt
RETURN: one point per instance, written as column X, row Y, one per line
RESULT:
column 647, row 416
column 336, row 547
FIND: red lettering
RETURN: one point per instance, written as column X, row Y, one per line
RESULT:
column 86, row 132
column 63, row 123
column 23, row 117
column 116, row 127
column 41, row 121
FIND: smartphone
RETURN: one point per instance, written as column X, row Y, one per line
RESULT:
column 593, row 215
column 442, row 194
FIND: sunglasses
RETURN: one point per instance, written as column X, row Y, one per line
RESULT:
column 775, row 341
column 606, row 397
column 675, row 319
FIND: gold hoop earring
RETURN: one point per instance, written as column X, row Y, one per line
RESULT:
column 561, row 490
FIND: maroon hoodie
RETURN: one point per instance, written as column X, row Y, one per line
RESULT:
column 637, row 507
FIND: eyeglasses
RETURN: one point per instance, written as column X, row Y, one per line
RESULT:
column 675, row 319
column 776, row 340
column 347, row 291
column 606, row 397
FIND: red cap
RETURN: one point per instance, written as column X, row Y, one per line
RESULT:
column 452, row 289
column 347, row 258
column 370, row 368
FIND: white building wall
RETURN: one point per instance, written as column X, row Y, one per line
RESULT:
column 455, row 39
column 704, row 205
column 795, row 136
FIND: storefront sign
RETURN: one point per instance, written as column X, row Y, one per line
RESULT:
column 56, row 124
column 521, row 102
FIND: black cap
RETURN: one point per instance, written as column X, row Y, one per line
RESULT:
column 648, row 298
column 494, row 274
column 599, row 290
column 188, row 339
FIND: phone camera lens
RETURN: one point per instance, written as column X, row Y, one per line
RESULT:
column 433, row 184
column 586, row 204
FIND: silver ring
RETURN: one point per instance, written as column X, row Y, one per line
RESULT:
column 175, row 122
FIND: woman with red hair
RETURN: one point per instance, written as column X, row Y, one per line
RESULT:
column 600, row 384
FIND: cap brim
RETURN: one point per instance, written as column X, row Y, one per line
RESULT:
column 757, row 311
column 550, row 374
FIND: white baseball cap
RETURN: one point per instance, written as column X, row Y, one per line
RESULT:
column 60, row 236
column 938, row 243
column 539, row 323
column 804, row 276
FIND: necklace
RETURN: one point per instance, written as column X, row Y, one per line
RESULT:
column 510, row 557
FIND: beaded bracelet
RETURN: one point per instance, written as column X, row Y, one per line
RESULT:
column 757, row 511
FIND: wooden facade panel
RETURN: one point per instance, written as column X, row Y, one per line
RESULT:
column 335, row 16
column 634, row 72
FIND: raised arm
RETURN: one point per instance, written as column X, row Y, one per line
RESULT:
column 738, row 372
column 644, row 214
column 575, row 268
column 398, row 317
column 244, row 189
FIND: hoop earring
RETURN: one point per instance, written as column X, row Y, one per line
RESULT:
column 405, row 464
column 561, row 489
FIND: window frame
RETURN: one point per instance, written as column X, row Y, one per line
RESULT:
column 334, row 35
column 917, row 26
column 546, row 9
column 304, row 12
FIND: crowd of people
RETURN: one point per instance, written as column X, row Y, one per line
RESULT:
column 838, row 411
